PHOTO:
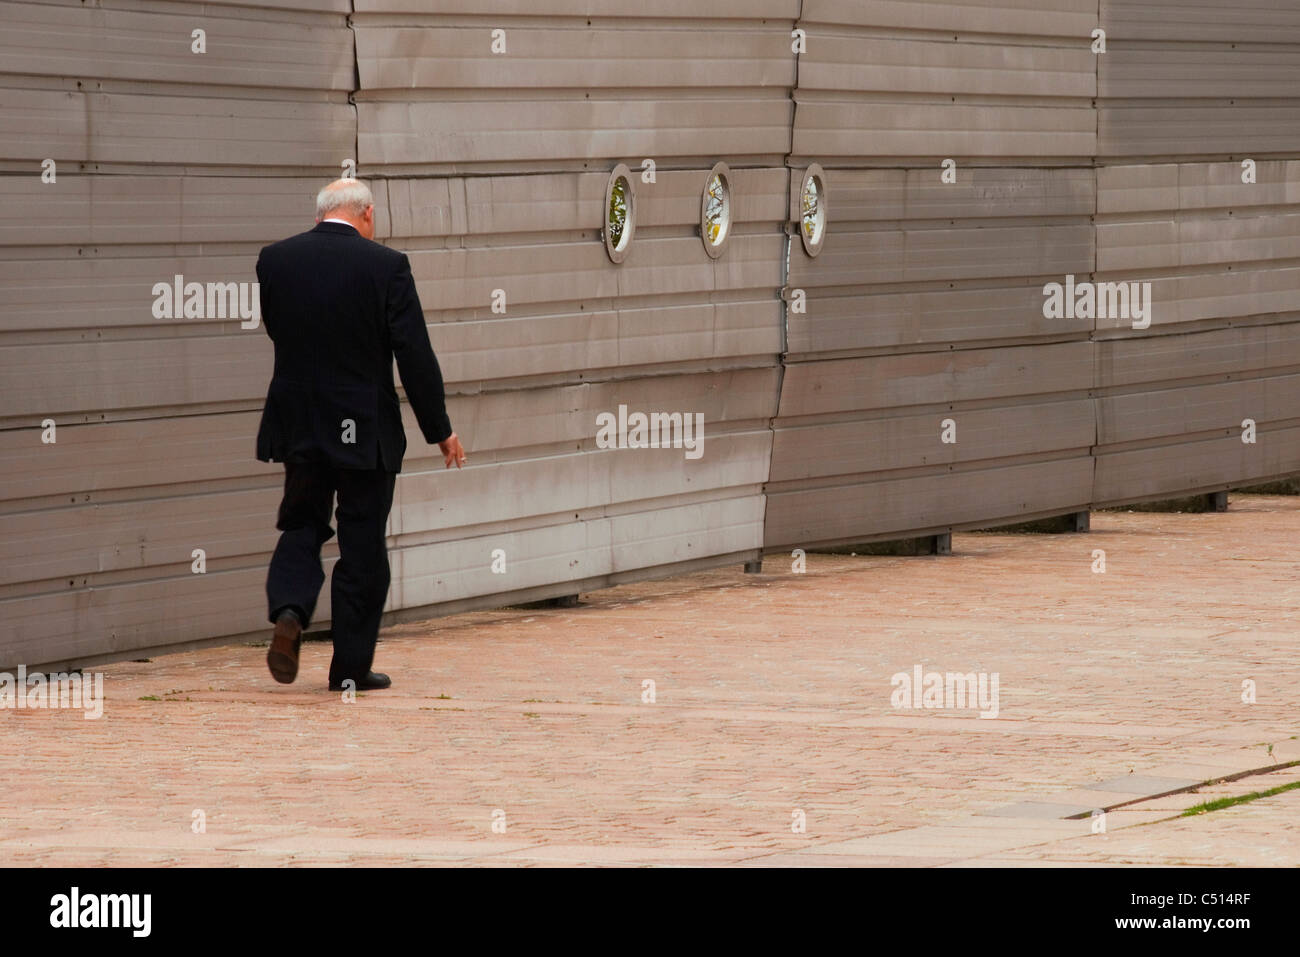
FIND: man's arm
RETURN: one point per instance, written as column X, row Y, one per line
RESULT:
column 417, row 365
column 261, row 296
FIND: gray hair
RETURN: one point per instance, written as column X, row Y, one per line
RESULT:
column 350, row 195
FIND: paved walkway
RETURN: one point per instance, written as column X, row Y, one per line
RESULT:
column 772, row 704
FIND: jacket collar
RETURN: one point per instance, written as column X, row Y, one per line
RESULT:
column 338, row 228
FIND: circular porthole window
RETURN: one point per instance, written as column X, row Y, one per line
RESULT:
column 715, row 210
column 812, row 210
column 620, row 213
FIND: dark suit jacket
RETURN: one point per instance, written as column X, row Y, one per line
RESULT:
column 339, row 309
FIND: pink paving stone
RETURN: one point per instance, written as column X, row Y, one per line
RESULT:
column 773, row 696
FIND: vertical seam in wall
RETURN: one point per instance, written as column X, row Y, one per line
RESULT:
column 785, row 280
column 789, row 185
column 1096, row 204
column 356, row 112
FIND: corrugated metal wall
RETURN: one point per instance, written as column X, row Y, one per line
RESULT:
column 495, row 167
column 490, row 170
column 926, row 302
column 167, row 162
column 1188, row 91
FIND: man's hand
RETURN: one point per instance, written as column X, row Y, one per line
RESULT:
column 453, row 451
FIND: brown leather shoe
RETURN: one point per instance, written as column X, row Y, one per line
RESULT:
column 282, row 658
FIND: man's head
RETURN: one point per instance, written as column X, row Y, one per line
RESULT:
column 350, row 200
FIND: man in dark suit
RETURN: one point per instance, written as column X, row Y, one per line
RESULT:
column 339, row 308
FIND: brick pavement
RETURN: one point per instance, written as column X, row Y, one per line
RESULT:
column 772, row 695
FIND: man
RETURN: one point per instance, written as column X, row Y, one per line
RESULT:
column 339, row 308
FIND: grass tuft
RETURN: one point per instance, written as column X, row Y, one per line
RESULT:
column 1221, row 803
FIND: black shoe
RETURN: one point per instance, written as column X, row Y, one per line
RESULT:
column 286, row 641
column 374, row 681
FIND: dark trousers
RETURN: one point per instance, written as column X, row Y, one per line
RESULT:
column 361, row 576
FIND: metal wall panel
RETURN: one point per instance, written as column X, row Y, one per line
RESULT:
column 243, row 48
column 1220, row 255
column 1186, row 92
column 1198, row 79
column 954, row 85
column 1208, row 21
column 1002, row 17
column 569, row 94
column 925, row 304
column 494, row 169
